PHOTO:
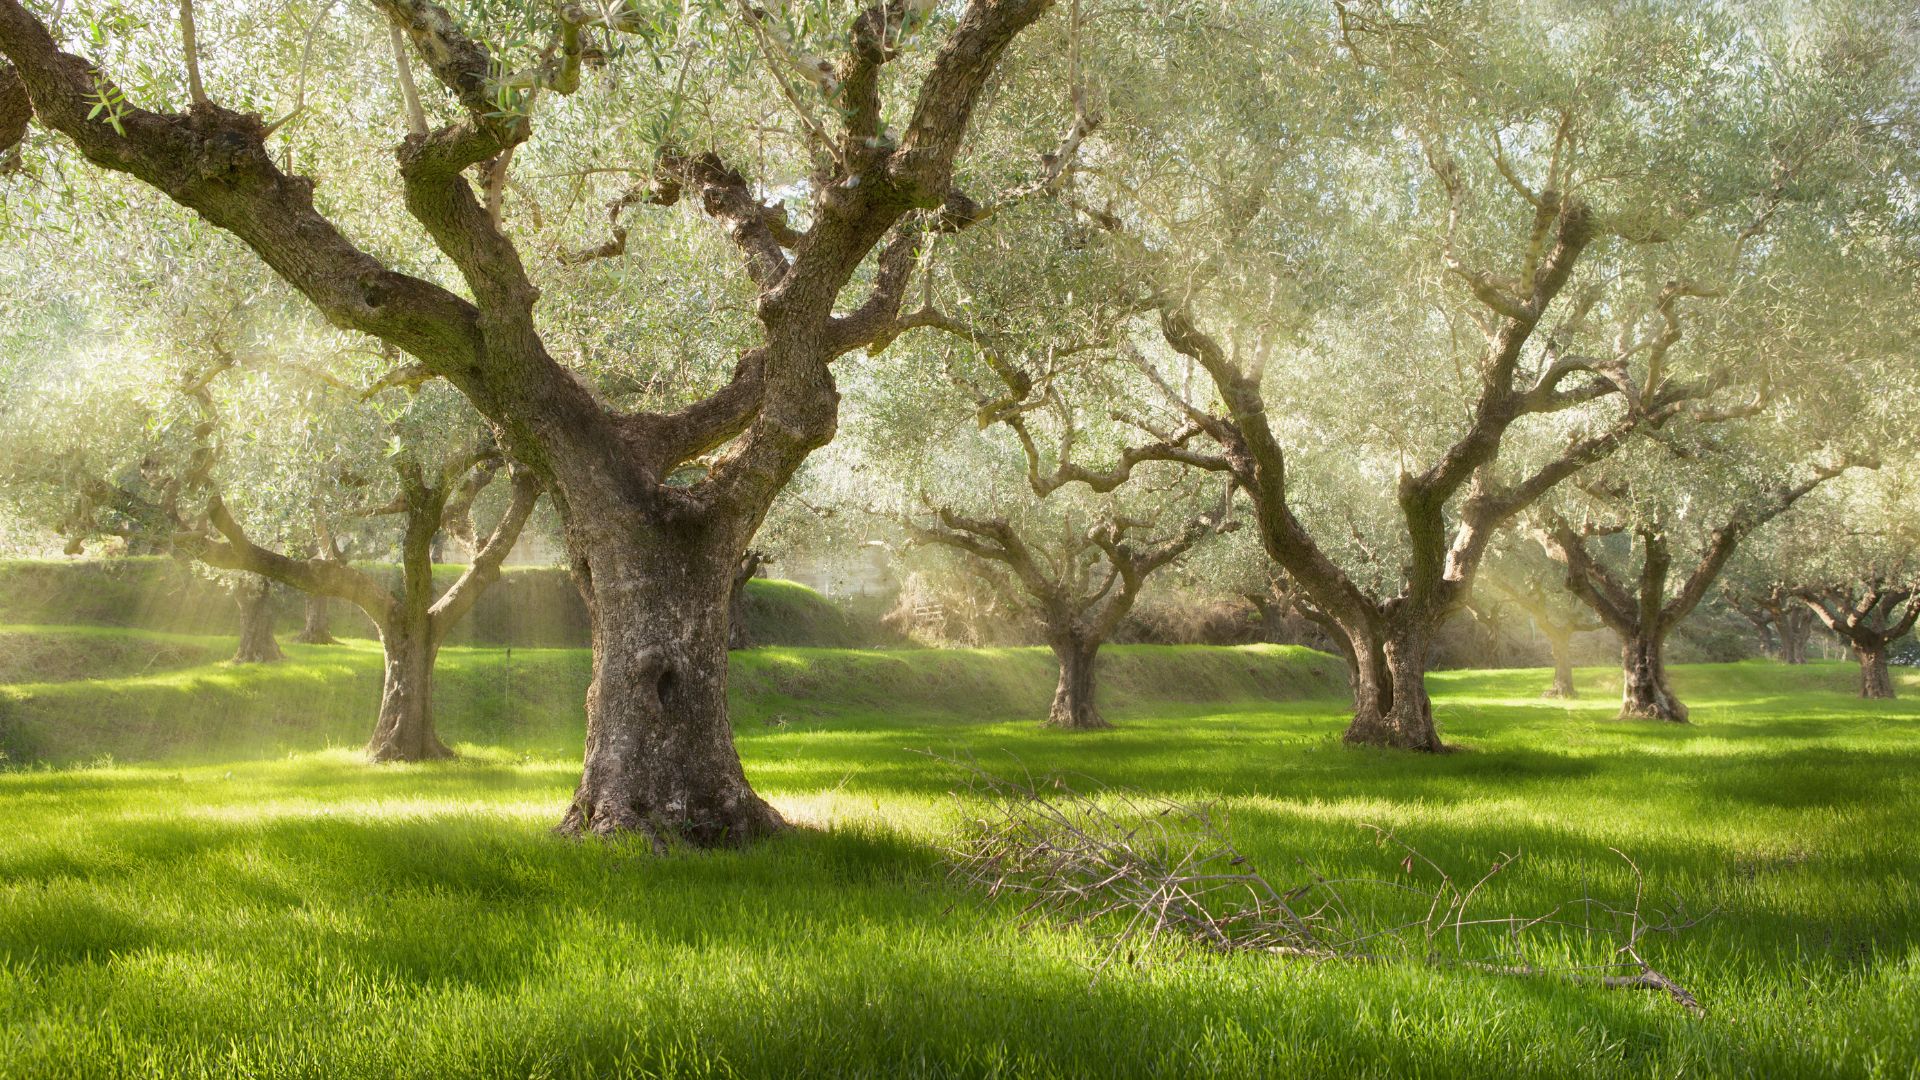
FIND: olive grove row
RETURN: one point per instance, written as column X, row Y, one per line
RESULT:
column 1363, row 305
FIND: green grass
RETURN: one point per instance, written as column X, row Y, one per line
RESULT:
column 308, row 915
column 530, row 606
column 64, row 653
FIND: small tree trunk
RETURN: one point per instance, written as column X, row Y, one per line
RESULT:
column 660, row 758
column 1646, row 694
column 256, row 625
column 738, row 637
column 1876, row 678
column 317, row 628
column 1073, row 705
column 1562, row 646
column 1391, row 707
column 1796, row 627
column 405, row 729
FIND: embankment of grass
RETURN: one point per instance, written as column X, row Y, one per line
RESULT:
column 529, row 607
column 533, row 698
column 65, row 653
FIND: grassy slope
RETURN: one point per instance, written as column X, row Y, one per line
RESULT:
column 530, row 606
column 312, row 916
column 531, row 698
column 65, row 653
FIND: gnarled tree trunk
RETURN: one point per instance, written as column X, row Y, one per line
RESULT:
column 1871, row 618
column 256, row 625
column 1876, row 678
column 1645, row 693
column 317, row 625
column 1073, row 698
column 660, row 758
column 405, row 730
column 1390, row 703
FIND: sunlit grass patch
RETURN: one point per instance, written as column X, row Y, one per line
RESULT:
column 288, row 910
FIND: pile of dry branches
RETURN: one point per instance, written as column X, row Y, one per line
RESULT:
column 1138, row 870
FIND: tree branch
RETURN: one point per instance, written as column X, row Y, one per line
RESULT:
column 320, row 577
column 484, row 570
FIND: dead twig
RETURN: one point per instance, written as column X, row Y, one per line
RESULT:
column 1139, row 870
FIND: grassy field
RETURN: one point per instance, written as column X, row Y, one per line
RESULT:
column 263, row 904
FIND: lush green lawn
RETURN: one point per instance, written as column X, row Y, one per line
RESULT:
column 307, row 915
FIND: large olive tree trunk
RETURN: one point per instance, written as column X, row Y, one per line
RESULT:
column 1391, row 707
column 660, row 759
column 1876, row 678
column 1645, row 693
column 404, row 730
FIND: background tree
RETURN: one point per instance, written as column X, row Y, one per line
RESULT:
column 1709, row 498
column 1859, row 570
column 1080, row 582
column 1534, row 586
column 204, row 397
column 1870, row 616
column 1781, row 621
column 429, row 495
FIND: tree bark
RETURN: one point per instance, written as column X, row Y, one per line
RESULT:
column 404, row 730
column 660, row 759
column 1876, row 678
column 1796, row 627
column 256, row 625
column 1390, row 703
column 1562, row 646
column 1645, row 693
column 1073, row 699
column 317, row 627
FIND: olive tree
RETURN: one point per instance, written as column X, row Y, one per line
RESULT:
column 1862, row 582
column 1635, row 592
column 879, row 105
